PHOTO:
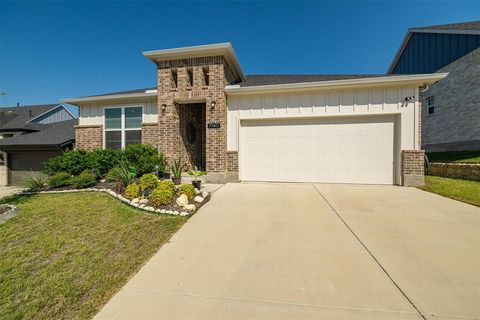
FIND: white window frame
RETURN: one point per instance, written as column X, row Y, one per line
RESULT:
column 122, row 123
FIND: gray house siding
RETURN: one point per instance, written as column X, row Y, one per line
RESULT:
column 54, row 115
column 455, row 124
column 428, row 52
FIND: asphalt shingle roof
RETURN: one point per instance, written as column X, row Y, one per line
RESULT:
column 53, row 134
column 35, row 134
column 14, row 118
column 272, row 79
column 471, row 25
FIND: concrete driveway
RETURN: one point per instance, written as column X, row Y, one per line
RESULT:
column 303, row 251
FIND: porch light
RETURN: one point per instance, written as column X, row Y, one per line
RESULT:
column 164, row 107
column 212, row 105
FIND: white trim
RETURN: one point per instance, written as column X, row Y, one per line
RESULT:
column 225, row 49
column 325, row 115
column 129, row 96
column 333, row 84
column 60, row 105
column 122, row 123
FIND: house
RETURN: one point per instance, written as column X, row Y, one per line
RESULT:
column 30, row 135
column 451, row 107
column 296, row 128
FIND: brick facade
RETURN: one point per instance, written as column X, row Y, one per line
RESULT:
column 413, row 169
column 88, row 137
column 232, row 161
column 150, row 134
column 174, row 100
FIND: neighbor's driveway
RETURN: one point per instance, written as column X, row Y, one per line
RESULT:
column 303, row 251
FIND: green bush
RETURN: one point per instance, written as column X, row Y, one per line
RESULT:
column 60, row 179
column 35, row 181
column 84, row 180
column 132, row 191
column 161, row 197
column 167, row 185
column 71, row 161
column 148, row 182
column 143, row 157
column 188, row 190
column 104, row 159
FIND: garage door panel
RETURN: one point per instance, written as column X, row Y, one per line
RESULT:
column 343, row 150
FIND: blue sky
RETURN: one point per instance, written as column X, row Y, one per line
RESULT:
column 55, row 50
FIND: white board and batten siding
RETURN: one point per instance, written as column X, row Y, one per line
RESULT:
column 94, row 114
column 352, row 136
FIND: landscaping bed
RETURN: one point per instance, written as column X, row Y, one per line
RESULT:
column 133, row 175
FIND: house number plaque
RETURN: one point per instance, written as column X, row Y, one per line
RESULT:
column 213, row 125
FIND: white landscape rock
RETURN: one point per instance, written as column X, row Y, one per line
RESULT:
column 204, row 194
column 175, row 213
column 182, row 200
column 190, row 207
column 163, row 211
column 135, row 200
column 183, row 213
column 197, row 191
column 198, row 199
column 158, row 210
column 143, row 201
column 141, row 206
column 151, row 209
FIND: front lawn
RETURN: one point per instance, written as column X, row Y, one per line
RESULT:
column 463, row 190
column 457, row 156
column 65, row 255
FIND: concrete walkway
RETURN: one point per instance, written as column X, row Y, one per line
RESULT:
column 302, row 251
column 8, row 191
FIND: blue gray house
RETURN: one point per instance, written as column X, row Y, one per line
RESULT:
column 450, row 107
column 29, row 135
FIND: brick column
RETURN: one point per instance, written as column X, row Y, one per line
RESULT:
column 413, row 167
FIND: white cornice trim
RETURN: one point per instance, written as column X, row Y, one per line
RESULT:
column 112, row 97
column 420, row 79
column 223, row 49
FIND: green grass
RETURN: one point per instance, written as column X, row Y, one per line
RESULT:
column 65, row 255
column 458, row 156
column 463, row 190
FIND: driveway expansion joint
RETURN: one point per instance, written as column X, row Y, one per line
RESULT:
column 267, row 301
column 370, row 253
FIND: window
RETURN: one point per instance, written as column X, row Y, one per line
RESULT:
column 430, row 105
column 190, row 76
column 123, row 126
column 174, row 78
column 206, row 76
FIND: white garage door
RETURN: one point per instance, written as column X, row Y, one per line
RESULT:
column 338, row 150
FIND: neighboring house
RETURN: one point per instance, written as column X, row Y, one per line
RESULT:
column 29, row 135
column 451, row 107
column 315, row 128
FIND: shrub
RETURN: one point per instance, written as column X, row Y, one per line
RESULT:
column 60, row 179
column 71, row 161
column 122, row 174
column 161, row 197
column 167, row 185
column 143, row 157
column 35, row 181
column 132, row 191
column 84, row 180
column 188, row 190
column 148, row 182
column 104, row 160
